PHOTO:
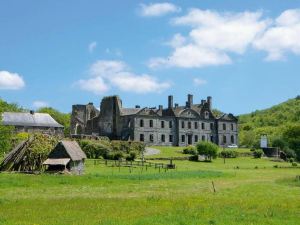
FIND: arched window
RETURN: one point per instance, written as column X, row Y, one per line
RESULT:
column 141, row 123
column 78, row 129
column 232, row 139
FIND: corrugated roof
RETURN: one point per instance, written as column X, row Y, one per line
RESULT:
column 28, row 119
column 73, row 150
column 56, row 162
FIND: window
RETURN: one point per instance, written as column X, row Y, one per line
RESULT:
column 203, row 137
column 141, row 123
column 202, row 126
column 224, row 139
column 224, row 126
column 151, row 137
column 170, row 138
column 212, row 138
column 196, row 138
column 163, row 139
column 151, row 123
column 182, row 124
column 189, row 125
column 170, row 124
column 141, row 137
column 162, row 124
column 206, row 115
column 182, row 138
column 232, row 126
column 232, row 139
column 196, row 125
column 211, row 126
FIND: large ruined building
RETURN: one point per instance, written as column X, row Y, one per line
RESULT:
column 175, row 125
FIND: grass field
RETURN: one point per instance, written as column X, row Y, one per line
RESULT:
column 256, row 193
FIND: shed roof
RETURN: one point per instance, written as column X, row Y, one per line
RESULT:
column 56, row 162
column 29, row 119
column 73, row 150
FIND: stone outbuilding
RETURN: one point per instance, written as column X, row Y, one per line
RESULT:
column 32, row 122
column 66, row 156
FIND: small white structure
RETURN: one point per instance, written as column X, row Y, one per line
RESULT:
column 264, row 141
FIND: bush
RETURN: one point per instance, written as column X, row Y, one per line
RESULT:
column 258, row 153
column 228, row 154
column 190, row 149
column 131, row 156
column 193, row 158
column 294, row 164
column 208, row 149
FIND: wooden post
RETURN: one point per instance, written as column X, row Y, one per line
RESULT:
column 213, row 186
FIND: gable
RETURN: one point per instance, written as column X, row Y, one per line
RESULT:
column 189, row 113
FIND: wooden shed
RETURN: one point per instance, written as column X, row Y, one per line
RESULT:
column 66, row 156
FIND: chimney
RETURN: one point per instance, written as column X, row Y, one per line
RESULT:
column 137, row 106
column 189, row 103
column 170, row 101
column 31, row 112
column 202, row 102
column 209, row 102
column 160, row 107
column 90, row 103
column 176, row 105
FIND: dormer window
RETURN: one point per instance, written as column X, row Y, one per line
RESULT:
column 206, row 115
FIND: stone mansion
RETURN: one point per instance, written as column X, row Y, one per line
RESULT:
column 175, row 125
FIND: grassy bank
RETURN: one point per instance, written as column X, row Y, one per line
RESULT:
column 256, row 193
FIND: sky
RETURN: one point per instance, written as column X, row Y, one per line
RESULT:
column 245, row 54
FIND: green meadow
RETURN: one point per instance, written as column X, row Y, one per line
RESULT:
column 247, row 191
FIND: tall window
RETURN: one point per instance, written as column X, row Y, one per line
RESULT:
column 212, row 138
column 170, row 138
column 224, row 139
column 196, row 138
column 189, row 125
column 150, row 123
column 224, row 126
column 163, row 139
column 162, row 124
column 206, row 115
column 170, row 124
column 141, row 137
column 232, row 139
column 232, row 126
column 151, row 137
column 182, row 138
column 182, row 124
column 211, row 126
column 202, row 126
column 196, row 125
column 203, row 137
column 141, row 123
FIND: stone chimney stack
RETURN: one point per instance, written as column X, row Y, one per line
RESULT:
column 160, row 107
column 176, row 105
column 170, row 101
column 189, row 103
column 202, row 102
column 209, row 102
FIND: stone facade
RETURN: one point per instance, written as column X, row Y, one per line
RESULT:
column 172, row 126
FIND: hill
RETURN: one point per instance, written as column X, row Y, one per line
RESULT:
column 272, row 121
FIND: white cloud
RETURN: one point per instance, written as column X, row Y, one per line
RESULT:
column 92, row 46
column 40, row 104
column 95, row 85
column 283, row 37
column 158, row 9
column 109, row 73
column 213, row 36
column 199, row 82
column 11, row 81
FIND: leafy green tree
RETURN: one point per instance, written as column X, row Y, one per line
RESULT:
column 280, row 143
column 208, row 149
column 292, row 136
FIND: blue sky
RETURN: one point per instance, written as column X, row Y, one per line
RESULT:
column 245, row 54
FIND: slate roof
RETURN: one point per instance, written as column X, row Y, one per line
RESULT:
column 28, row 119
column 228, row 117
column 130, row 111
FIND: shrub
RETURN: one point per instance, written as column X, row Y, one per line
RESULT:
column 131, row 156
column 208, row 149
column 228, row 154
column 193, row 158
column 294, row 164
column 190, row 149
column 258, row 153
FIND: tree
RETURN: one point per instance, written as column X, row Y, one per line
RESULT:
column 208, row 149
column 280, row 143
column 292, row 136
